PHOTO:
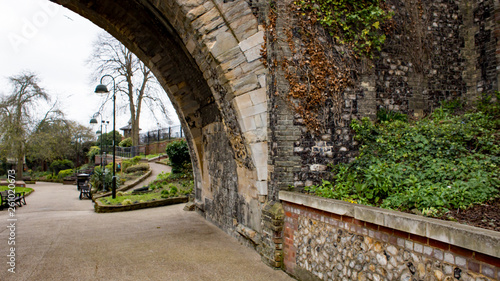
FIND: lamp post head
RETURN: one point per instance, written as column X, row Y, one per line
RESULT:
column 101, row 89
column 93, row 121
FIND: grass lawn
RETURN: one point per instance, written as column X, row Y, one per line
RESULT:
column 138, row 198
column 26, row 190
column 166, row 185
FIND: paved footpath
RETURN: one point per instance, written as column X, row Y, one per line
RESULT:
column 156, row 169
column 59, row 237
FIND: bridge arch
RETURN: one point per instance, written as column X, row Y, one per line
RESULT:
column 206, row 55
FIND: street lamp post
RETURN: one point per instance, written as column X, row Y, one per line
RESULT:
column 94, row 121
column 101, row 89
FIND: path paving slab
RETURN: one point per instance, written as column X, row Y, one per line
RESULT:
column 59, row 237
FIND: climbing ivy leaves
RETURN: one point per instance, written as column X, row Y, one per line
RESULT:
column 353, row 22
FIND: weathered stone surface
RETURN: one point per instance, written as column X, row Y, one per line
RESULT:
column 481, row 240
column 206, row 54
column 315, row 238
column 190, row 206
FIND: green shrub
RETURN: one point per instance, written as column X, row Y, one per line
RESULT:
column 93, row 151
column 173, row 189
column 131, row 162
column 59, row 165
column 138, row 167
column 178, row 154
column 170, row 191
column 126, row 164
column 437, row 163
column 126, row 142
column 65, row 173
column 136, row 160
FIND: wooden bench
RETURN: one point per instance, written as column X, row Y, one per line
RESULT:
column 86, row 190
column 18, row 199
column 83, row 184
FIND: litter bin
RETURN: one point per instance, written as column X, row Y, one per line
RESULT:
column 82, row 180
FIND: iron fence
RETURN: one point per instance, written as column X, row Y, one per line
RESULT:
column 145, row 139
column 161, row 134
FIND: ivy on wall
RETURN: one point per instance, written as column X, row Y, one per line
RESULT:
column 354, row 22
column 319, row 74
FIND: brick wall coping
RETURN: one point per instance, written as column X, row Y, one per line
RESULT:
column 469, row 237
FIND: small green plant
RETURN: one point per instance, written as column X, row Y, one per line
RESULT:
column 452, row 105
column 173, row 189
column 127, row 202
column 170, row 191
column 139, row 167
column 162, row 176
column 384, row 115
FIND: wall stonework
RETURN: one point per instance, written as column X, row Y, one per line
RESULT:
column 320, row 245
column 271, row 248
column 247, row 143
column 206, row 55
column 435, row 51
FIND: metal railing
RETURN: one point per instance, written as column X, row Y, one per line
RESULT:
column 161, row 134
column 146, row 139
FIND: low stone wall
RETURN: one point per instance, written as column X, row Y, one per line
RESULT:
column 102, row 208
column 17, row 183
column 327, row 239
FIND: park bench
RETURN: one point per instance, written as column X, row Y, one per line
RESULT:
column 18, row 199
column 86, row 190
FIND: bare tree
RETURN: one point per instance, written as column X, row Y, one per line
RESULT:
column 133, row 79
column 55, row 137
column 16, row 115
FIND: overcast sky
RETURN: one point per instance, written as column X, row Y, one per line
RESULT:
column 55, row 43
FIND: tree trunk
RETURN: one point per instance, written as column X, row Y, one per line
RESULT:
column 135, row 133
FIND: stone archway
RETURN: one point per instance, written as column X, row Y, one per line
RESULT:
column 205, row 53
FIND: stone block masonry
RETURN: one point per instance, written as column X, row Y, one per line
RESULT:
column 437, row 51
column 271, row 248
column 247, row 143
column 330, row 243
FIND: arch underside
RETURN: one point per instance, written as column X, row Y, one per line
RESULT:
column 200, row 61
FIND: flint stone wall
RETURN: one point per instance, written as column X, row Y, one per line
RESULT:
column 327, row 239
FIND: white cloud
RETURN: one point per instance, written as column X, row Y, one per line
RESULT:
column 54, row 42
